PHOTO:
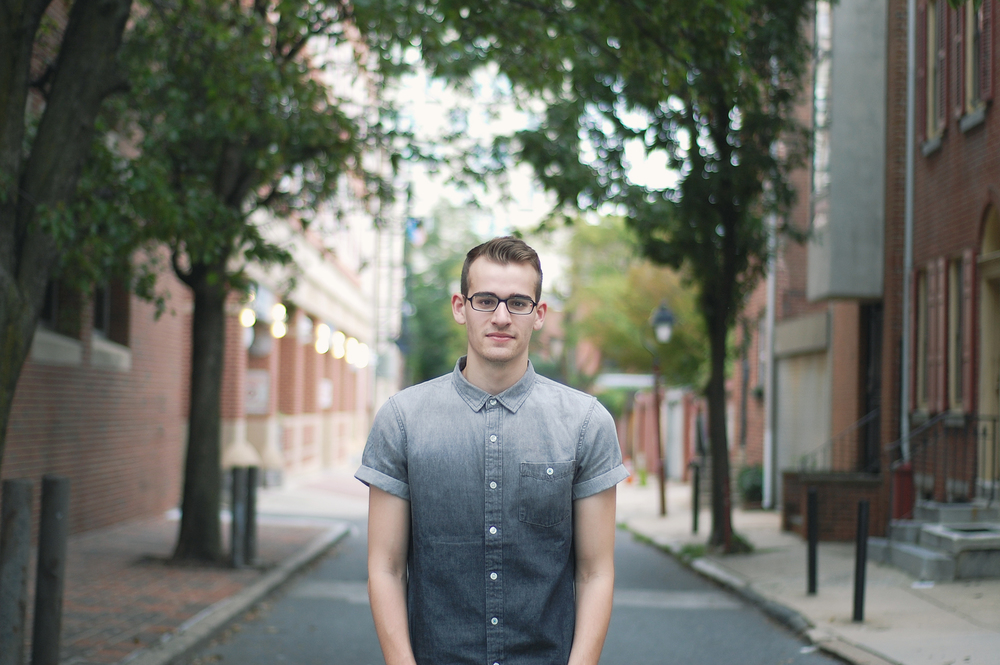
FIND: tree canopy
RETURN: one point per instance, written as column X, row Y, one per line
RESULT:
column 613, row 291
column 711, row 85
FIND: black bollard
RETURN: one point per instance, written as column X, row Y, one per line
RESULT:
column 695, row 495
column 15, row 552
column 51, row 574
column 238, row 512
column 250, row 533
column 860, row 560
column 812, row 517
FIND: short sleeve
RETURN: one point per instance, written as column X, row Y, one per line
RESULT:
column 383, row 463
column 599, row 457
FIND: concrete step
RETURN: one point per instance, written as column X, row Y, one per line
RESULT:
column 921, row 562
column 905, row 531
column 954, row 538
column 955, row 513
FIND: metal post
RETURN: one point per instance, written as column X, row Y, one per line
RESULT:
column 238, row 512
column 51, row 574
column 250, row 547
column 812, row 518
column 15, row 550
column 861, row 558
column 659, row 441
column 695, row 495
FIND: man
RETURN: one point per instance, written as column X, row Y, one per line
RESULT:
column 492, row 494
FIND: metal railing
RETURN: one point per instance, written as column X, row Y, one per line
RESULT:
column 952, row 458
column 848, row 451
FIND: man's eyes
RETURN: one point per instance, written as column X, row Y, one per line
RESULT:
column 520, row 303
column 486, row 301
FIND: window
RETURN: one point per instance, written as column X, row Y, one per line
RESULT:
column 762, row 352
column 935, row 66
column 956, row 336
column 922, row 348
column 111, row 312
column 977, row 76
column 61, row 309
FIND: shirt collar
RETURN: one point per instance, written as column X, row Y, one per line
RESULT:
column 476, row 398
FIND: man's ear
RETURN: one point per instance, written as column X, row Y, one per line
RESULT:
column 540, row 311
column 458, row 308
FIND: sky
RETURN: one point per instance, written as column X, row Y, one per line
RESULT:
column 481, row 113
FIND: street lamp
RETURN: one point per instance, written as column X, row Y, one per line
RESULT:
column 662, row 322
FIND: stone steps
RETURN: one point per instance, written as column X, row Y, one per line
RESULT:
column 944, row 542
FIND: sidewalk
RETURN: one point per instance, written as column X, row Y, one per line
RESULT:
column 906, row 622
column 124, row 604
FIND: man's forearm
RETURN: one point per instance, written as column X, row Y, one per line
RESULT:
column 387, row 594
column 593, row 614
column 388, row 540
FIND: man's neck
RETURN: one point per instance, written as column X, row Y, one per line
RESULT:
column 494, row 378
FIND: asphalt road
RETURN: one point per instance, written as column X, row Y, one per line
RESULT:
column 663, row 614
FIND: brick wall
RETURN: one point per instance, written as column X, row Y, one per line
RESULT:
column 837, row 504
column 845, row 372
column 118, row 435
column 957, row 183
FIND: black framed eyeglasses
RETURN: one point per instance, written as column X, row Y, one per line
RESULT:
column 488, row 302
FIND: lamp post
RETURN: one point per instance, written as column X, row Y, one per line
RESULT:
column 662, row 322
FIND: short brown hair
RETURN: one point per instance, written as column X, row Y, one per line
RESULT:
column 507, row 249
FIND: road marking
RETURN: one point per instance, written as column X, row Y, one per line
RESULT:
column 357, row 593
column 675, row 600
column 352, row 592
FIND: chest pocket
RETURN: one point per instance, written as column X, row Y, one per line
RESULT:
column 545, row 495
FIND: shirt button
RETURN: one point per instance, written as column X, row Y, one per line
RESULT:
column 493, row 438
column 493, row 485
column 494, row 621
column 549, row 471
column 493, row 402
column 493, row 576
column 493, row 529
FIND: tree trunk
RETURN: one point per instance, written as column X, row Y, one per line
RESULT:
column 200, row 536
column 718, row 437
column 45, row 178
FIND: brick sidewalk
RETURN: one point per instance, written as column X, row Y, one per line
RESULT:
column 121, row 596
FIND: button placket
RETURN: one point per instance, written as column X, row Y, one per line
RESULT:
column 494, row 531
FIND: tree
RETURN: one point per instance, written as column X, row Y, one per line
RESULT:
column 613, row 291
column 430, row 339
column 711, row 84
column 47, row 120
column 233, row 117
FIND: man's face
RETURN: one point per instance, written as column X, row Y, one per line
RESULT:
column 499, row 337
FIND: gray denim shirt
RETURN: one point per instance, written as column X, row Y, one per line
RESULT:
column 491, row 482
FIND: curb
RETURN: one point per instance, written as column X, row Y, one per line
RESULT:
column 831, row 643
column 200, row 628
column 788, row 617
column 798, row 623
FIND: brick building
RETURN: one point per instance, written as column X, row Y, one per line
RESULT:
column 954, row 360
column 866, row 321
column 104, row 395
column 835, row 301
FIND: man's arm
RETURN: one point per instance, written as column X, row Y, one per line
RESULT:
column 594, row 547
column 388, row 542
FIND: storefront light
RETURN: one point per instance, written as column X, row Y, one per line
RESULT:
column 279, row 313
column 362, row 356
column 338, row 344
column 279, row 329
column 322, row 338
column 247, row 318
column 351, row 351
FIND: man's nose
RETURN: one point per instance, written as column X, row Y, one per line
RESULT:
column 501, row 314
